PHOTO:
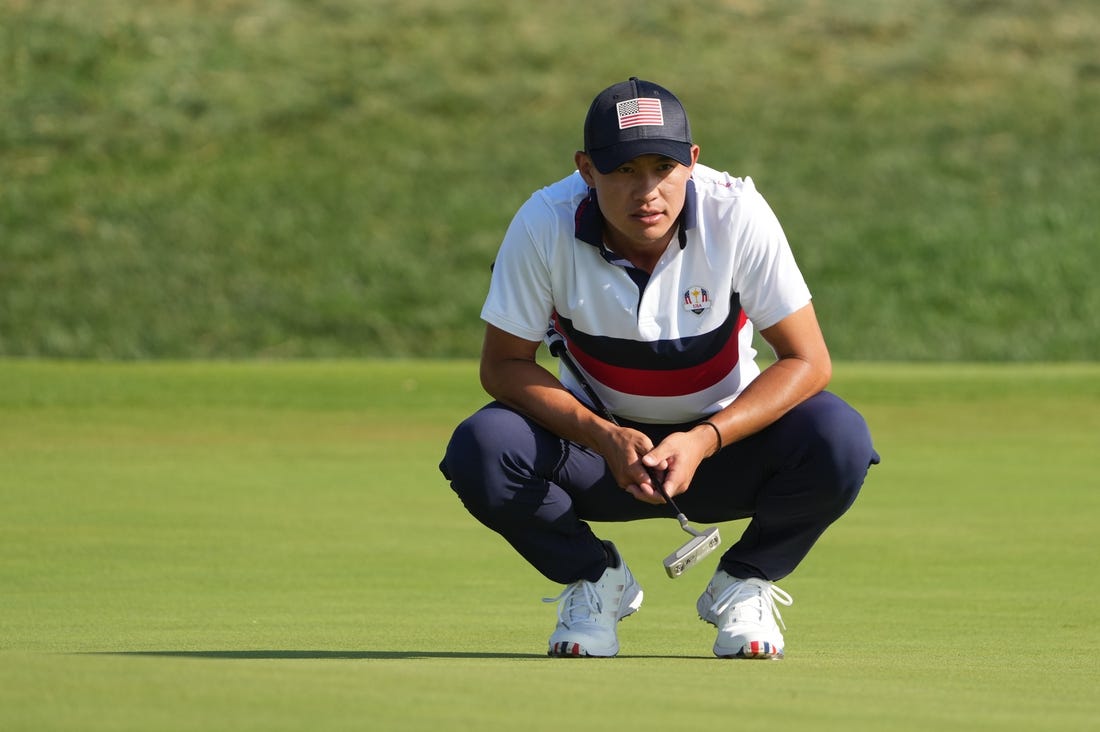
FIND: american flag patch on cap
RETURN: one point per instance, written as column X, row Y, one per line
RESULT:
column 638, row 112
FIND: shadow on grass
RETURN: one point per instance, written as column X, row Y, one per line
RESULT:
column 336, row 655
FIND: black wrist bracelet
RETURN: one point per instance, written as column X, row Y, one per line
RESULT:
column 717, row 434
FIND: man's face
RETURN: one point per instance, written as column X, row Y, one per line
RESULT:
column 640, row 200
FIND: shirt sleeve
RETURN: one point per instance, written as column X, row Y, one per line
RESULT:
column 767, row 277
column 520, row 299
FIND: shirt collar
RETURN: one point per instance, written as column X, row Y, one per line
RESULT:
column 588, row 221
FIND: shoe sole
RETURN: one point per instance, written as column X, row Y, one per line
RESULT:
column 572, row 649
column 755, row 651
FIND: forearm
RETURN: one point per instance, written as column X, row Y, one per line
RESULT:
column 527, row 387
column 802, row 369
column 779, row 388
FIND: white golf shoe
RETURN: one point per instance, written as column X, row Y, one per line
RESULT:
column 745, row 613
column 589, row 611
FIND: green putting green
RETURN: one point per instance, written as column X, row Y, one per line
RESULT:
column 269, row 546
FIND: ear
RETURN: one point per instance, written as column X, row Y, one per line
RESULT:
column 586, row 167
column 694, row 155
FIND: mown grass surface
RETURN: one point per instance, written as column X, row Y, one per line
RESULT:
column 244, row 177
column 269, row 546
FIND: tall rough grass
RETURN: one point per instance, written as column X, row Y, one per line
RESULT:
column 237, row 178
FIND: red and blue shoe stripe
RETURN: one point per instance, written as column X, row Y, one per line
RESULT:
column 761, row 649
column 566, row 648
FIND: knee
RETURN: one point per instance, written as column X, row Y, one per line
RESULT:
column 842, row 448
column 846, row 433
column 485, row 453
column 472, row 447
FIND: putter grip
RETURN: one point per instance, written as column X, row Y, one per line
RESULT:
column 660, row 486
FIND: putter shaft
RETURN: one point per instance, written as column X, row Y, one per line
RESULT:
column 679, row 514
column 685, row 526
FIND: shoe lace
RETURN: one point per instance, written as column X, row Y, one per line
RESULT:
column 761, row 594
column 577, row 602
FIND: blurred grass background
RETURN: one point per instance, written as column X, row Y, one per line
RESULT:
column 286, row 178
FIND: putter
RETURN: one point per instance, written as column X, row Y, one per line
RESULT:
column 702, row 543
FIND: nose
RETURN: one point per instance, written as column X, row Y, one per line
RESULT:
column 645, row 186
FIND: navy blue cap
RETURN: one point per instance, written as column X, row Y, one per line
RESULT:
column 635, row 118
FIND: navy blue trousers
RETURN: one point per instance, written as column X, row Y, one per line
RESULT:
column 538, row 491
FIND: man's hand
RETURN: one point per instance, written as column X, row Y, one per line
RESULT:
column 676, row 459
column 623, row 449
column 637, row 464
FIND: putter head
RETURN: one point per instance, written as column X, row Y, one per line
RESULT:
column 691, row 553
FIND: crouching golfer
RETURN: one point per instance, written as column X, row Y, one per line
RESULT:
column 654, row 270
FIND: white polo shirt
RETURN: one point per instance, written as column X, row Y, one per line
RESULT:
column 670, row 347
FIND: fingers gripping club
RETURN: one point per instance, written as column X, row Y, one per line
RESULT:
column 702, row 542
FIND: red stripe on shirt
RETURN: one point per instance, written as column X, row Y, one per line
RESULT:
column 660, row 383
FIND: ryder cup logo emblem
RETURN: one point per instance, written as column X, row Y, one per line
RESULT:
column 696, row 299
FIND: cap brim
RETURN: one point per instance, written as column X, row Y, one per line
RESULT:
column 608, row 158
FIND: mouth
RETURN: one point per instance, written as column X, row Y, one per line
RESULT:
column 648, row 218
